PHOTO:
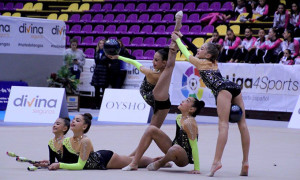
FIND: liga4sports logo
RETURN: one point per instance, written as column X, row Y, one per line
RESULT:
column 192, row 84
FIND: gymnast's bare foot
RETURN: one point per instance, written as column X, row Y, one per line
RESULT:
column 153, row 166
column 214, row 168
column 130, row 167
column 178, row 18
column 245, row 167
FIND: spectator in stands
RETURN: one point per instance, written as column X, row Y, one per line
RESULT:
column 250, row 6
column 240, row 8
column 272, row 47
column 78, row 58
column 290, row 43
column 215, row 39
column 287, row 58
column 214, row 17
column 255, row 53
column 247, row 43
column 230, row 44
column 295, row 19
column 281, row 19
column 117, row 72
column 100, row 76
column 262, row 10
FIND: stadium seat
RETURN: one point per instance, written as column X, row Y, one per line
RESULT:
column 74, row 18
column 78, row 39
column 141, row 7
column 149, row 54
column 97, row 18
column 236, row 29
column 149, row 41
column 6, row 14
column 110, row 29
column 9, row 6
column 161, row 41
column 160, row 29
column 26, row 7
column 137, row 41
column 106, row 7
column 72, row 8
column 75, row 28
column 170, row 29
column 207, row 29
column 198, row 42
column 67, row 28
column 143, row 18
column 18, row 5
column 98, row 29
column 132, row 18
column 138, row 53
column 215, row 6
column 120, row 18
column 227, row 6
column 87, row 41
column 135, row 29
column 1, row 5
column 185, row 29
column 204, row 6
column 129, row 7
column 168, row 18
column 184, row 18
column 89, row 52
column 153, row 7
column 196, row 29
column 178, row 6
column 179, row 57
column 37, row 7
column 122, row 29
column 119, row 7
column 96, row 7
column 165, row 6
column 63, row 17
column 156, row 18
column 86, row 18
column 193, row 17
column 87, row 29
column 97, row 39
column 189, row 6
column 238, row 18
column 52, row 16
column 108, row 18
column 125, row 40
column 222, row 30
column 147, row 29
column 16, row 14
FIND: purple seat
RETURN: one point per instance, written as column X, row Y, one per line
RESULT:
column 119, row 7
column 137, row 41
column 189, row 6
column 96, row 7
column 67, row 40
column 132, row 18
column 129, row 51
column 135, row 29
column 177, row 6
column 9, row 6
column 165, row 6
column 130, row 7
column 143, row 18
column 170, row 29
column 97, row 18
column 125, row 41
column 161, row 42
column 196, row 29
column 113, row 37
column 18, row 6
column 147, row 29
column 207, row 29
column 106, row 7
column 89, row 52
column 108, row 18
column 74, row 18
column 204, row 15
column 141, row 7
column 193, row 17
column 120, row 18
column 86, row 18
column 149, row 41
column 153, row 7
column 138, row 53
column 75, row 28
column 156, row 18
column 87, row 29
column 227, row 6
column 78, row 39
column 204, row 6
column 185, row 29
column 97, row 40
column 98, row 29
column 110, row 29
column 67, row 28
column 215, row 6
column 122, row 29
column 87, row 41
column 160, row 29
column 1, row 5
column 184, row 18
column 149, row 54
column 168, row 18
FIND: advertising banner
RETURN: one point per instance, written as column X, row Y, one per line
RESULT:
column 5, row 88
column 36, row 104
column 295, row 118
column 19, row 35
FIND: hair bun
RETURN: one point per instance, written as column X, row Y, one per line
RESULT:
column 88, row 115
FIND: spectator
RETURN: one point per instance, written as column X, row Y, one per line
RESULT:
column 290, row 43
column 281, row 19
column 78, row 58
column 272, row 47
column 240, row 8
column 215, row 39
column 250, row 6
column 214, row 17
column 100, row 76
column 262, row 10
column 230, row 44
column 287, row 58
column 247, row 43
column 255, row 53
column 295, row 19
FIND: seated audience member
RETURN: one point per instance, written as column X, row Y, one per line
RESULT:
column 244, row 48
column 281, row 19
column 255, row 53
column 287, row 58
column 78, row 58
column 230, row 44
column 290, row 43
column 215, row 39
column 262, row 10
column 295, row 19
column 272, row 47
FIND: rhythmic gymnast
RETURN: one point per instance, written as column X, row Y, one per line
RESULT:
column 225, row 92
column 78, row 151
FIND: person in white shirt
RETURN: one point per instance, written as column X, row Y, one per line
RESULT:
column 255, row 53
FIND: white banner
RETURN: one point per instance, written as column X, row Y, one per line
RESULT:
column 123, row 105
column 295, row 118
column 19, row 35
column 36, row 104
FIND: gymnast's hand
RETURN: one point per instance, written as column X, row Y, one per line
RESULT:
column 174, row 36
column 178, row 33
column 43, row 163
column 113, row 57
column 194, row 172
column 53, row 166
column 173, row 47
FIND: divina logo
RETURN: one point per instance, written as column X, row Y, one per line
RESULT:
column 31, row 29
column 57, row 30
column 4, row 28
column 34, row 102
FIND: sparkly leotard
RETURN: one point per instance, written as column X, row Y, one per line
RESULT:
column 54, row 153
column 146, row 92
column 96, row 160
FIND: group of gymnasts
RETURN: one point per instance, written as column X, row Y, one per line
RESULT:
column 77, row 152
